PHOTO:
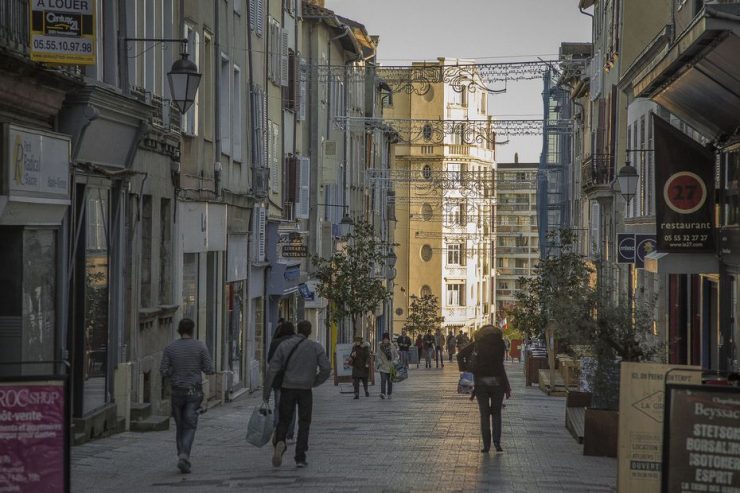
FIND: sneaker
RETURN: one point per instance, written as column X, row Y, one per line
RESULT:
column 184, row 466
column 367, row 394
column 382, row 396
column 357, row 396
column 301, row 464
column 498, row 447
column 389, row 396
column 277, row 455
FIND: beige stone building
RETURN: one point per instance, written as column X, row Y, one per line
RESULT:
column 443, row 177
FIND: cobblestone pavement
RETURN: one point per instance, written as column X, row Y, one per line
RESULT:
column 426, row 439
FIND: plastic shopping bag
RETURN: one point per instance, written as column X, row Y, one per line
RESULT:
column 259, row 429
column 466, row 383
column 399, row 373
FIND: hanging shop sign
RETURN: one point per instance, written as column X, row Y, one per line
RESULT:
column 632, row 248
column 644, row 245
column 701, row 449
column 63, row 32
column 33, row 435
column 625, row 248
column 684, row 191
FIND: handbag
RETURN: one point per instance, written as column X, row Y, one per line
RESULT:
column 259, row 428
column 277, row 382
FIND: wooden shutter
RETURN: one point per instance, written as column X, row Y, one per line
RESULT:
column 284, row 65
column 252, row 14
column 291, row 179
column 303, row 71
column 260, row 17
column 304, row 182
column 261, row 224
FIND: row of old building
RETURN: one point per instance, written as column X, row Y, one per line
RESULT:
column 119, row 216
column 651, row 62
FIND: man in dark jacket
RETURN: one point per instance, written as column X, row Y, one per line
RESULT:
column 428, row 348
column 491, row 382
column 404, row 344
column 360, row 365
column 299, row 377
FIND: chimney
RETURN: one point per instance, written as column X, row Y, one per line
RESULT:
column 516, row 158
column 319, row 3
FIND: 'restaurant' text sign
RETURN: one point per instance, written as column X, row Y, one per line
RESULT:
column 684, row 191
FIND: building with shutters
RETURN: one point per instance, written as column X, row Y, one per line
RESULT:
column 445, row 206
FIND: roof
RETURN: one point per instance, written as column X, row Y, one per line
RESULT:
column 510, row 166
column 339, row 24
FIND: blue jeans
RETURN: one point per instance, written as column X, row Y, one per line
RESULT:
column 404, row 355
column 289, row 399
column 385, row 380
column 185, row 406
column 430, row 352
column 490, row 399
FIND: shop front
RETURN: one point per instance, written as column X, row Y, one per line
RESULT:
column 34, row 199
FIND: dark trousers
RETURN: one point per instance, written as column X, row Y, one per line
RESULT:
column 356, row 384
column 276, row 416
column 490, row 400
column 429, row 353
column 439, row 356
column 185, row 406
column 450, row 352
column 385, row 380
column 289, row 399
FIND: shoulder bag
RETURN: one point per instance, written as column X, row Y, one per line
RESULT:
column 278, row 380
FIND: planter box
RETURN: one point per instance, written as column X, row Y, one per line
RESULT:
column 601, row 429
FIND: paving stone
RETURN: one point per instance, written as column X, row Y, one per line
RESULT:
column 427, row 438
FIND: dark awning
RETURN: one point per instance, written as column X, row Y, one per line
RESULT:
column 698, row 80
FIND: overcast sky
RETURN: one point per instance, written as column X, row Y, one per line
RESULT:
column 487, row 30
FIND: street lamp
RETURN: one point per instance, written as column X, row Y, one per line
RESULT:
column 184, row 80
column 183, row 76
column 627, row 180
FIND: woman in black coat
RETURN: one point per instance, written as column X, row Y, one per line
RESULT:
column 491, row 383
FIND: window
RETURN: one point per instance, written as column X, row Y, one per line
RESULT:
column 426, row 172
column 426, row 253
column 427, row 132
column 426, row 291
column 277, row 67
column 456, row 294
column 427, row 212
column 145, row 281
column 453, row 254
column 453, row 173
column 206, row 89
column 274, row 151
column 225, row 105
column 165, row 252
column 290, row 91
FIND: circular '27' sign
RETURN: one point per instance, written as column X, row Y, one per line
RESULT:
column 685, row 192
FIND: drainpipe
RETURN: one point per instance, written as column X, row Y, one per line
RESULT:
column 217, row 90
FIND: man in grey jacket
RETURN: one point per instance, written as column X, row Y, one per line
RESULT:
column 299, row 377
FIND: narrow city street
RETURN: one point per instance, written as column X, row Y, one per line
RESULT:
column 425, row 439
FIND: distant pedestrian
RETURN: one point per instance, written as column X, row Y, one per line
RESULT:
column 284, row 332
column 404, row 344
column 491, row 383
column 360, row 365
column 429, row 348
column 182, row 362
column 387, row 356
column 419, row 349
column 507, row 345
column 451, row 344
column 304, row 365
column 459, row 342
column 439, row 344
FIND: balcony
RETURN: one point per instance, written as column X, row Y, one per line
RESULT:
column 597, row 173
column 14, row 25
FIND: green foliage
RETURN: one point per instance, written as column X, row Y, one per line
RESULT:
column 349, row 278
column 423, row 314
column 586, row 315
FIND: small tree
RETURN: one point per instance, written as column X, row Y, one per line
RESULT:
column 351, row 277
column 423, row 314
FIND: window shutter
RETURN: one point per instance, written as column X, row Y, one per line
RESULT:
column 260, row 21
column 261, row 220
column 302, row 89
column 291, row 179
column 284, row 67
column 463, row 253
column 252, row 14
column 304, row 182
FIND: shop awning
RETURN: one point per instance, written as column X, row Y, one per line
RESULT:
column 681, row 263
column 698, row 79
